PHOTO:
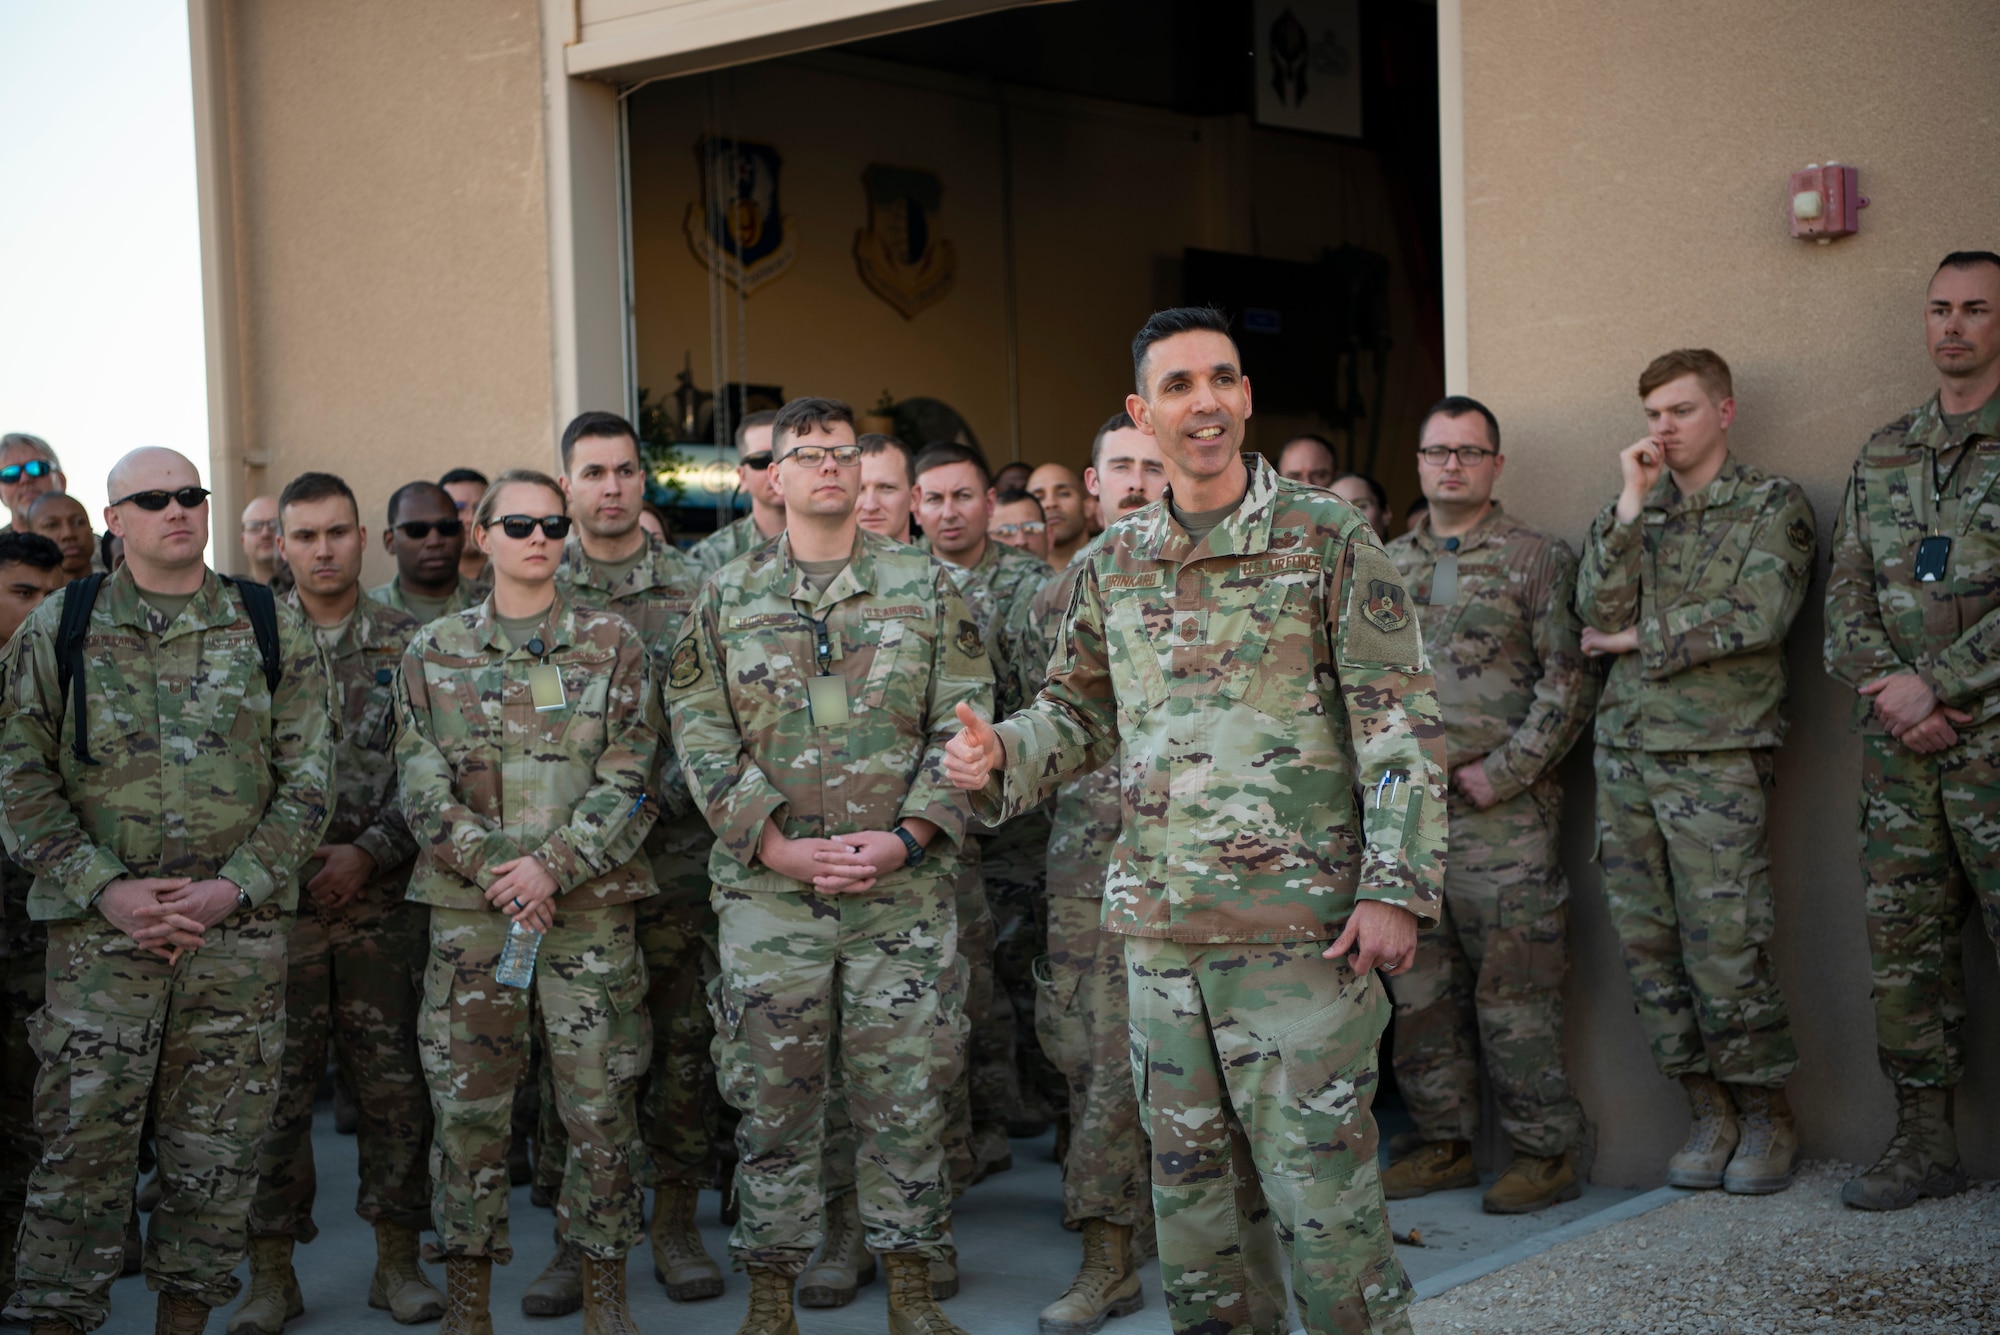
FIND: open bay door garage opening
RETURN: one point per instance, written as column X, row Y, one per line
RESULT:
column 957, row 227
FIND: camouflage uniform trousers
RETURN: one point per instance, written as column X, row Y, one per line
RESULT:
column 23, row 983
column 196, row 1043
column 1255, row 1065
column 1929, row 826
column 1083, row 1018
column 1016, row 859
column 1488, row 982
column 590, row 989
column 352, row 980
column 870, row 980
column 1687, row 877
column 682, row 1118
column 983, row 1084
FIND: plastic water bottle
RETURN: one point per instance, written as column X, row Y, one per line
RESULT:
column 517, row 958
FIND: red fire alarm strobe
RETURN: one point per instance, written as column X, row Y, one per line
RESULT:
column 1826, row 202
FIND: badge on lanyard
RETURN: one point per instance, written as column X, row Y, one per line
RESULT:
column 1444, row 579
column 828, row 698
column 545, row 683
column 1933, row 555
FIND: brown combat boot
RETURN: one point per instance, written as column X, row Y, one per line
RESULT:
column 680, row 1262
column 1763, row 1160
column 178, row 1314
column 400, row 1286
column 844, row 1263
column 558, row 1290
column 1922, row 1158
column 274, row 1296
column 1437, row 1165
column 913, row 1309
column 1711, row 1140
column 1532, row 1183
column 1107, row 1286
column 468, row 1293
column 944, row 1275
column 605, row 1311
column 770, row 1303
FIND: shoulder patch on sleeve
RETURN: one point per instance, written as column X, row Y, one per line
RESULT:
column 969, row 641
column 685, row 670
column 1799, row 533
column 1379, row 627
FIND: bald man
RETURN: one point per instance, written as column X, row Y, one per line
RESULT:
column 63, row 520
column 165, row 825
column 1308, row 459
column 260, row 538
column 1061, row 495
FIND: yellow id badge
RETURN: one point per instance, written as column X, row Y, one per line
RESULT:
column 545, row 687
column 828, row 696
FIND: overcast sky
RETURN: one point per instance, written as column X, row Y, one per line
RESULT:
column 100, row 251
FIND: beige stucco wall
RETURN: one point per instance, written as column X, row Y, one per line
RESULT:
column 1624, row 193
column 385, row 172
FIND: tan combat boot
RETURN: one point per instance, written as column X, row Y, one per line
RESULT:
column 1532, row 1183
column 1711, row 1140
column 51, row 1325
column 558, row 1290
column 944, row 1275
column 178, row 1314
column 1107, row 1286
column 1922, row 1158
column 468, row 1294
column 400, row 1286
column 605, row 1311
column 844, row 1263
column 770, row 1304
column 1438, row 1165
column 1763, row 1160
column 913, row 1309
column 680, row 1262
column 274, row 1296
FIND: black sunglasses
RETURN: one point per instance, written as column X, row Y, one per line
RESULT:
column 759, row 462
column 418, row 529
column 555, row 527
column 189, row 498
column 33, row 468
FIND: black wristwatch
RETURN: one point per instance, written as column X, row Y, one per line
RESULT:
column 911, row 846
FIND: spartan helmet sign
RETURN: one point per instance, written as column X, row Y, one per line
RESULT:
column 1291, row 49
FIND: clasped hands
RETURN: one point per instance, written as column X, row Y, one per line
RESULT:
column 844, row 864
column 167, row 915
column 1913, row 714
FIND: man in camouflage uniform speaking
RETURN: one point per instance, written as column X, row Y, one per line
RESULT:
column 1253, row 660
column 355, row 950
column 1688, row 583
column 1495, row 598
column 810, row 696
column 165, row 829
column 1913, row 625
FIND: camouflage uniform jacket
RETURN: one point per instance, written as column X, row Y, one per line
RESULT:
column 655, row 596
column 362, row 664
column 1512, row 678
column 1879, row 618
column 469, row 593
column 1712, row 581
column 1083, row 828
column 907, row 648
column 738, row 538
column 488, row 778
column 1254, row 683
column 1000, row 592
column 19, row 933
column 202, row 770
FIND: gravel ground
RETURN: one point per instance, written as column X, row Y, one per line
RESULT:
column 1796, row 1261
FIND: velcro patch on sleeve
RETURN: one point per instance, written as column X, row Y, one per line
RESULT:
column 1379, row 626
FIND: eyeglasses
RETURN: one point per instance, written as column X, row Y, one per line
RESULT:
column 758, row 462
column 1469, row 456
column 555, row 527
column 1032, row 528
column 188, row 497
column 416, row 530
column 812, row 456
column 13, row 473
column 261, row 526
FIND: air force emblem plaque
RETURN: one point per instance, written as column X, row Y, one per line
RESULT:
column 901, row 257
column 735, row 228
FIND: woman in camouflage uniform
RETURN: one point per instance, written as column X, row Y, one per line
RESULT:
column 528, row 737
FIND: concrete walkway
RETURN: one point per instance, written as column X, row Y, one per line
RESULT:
column 1015, row 1257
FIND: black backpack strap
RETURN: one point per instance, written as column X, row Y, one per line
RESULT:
column 261, row 606
column 79, row 598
